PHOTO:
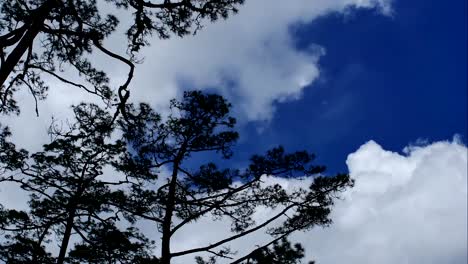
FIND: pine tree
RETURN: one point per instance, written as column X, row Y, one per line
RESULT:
column 68, row 198
column 198, row 125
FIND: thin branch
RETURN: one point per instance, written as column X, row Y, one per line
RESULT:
column 33, row 94
column 226, row 240
column 219, row 254
column 259, row 249
column 63, row 79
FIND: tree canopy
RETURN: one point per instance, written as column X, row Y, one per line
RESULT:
column 39, row 37
column 94, row 183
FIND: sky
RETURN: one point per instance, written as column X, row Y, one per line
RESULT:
column 376, row 88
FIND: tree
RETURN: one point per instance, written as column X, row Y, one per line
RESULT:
column 71, row 200
column 199, row 124
column 37, row 37
column 68, row 198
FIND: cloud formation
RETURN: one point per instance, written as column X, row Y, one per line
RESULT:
column 251, row 58
column 409, row 208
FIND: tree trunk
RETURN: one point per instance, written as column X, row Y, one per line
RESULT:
column 38, row 17
column 167, row 221
column 66, row 236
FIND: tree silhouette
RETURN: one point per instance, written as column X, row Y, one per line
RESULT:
column 74, row 202
column 199, row 124
column 69, row 198
column 281, row 252
column 37, row 37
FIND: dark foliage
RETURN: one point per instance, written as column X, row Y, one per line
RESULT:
column 40, row 37
column 201, row 124
column 280, row 252
column 73, row 200
column 69, row 197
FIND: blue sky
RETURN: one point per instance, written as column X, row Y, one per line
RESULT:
column 395, row 80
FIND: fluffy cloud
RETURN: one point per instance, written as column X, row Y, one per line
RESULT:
column 409, row 208
column 251, row 58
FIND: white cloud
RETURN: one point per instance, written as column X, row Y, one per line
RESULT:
column 30, row 131
column 250, row 57
column 408, row 208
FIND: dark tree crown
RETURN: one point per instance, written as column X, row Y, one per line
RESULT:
column 45, row 37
